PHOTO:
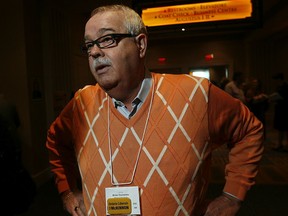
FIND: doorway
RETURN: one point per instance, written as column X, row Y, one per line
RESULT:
column 216, row 74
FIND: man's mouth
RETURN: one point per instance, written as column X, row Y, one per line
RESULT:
column 101, row 68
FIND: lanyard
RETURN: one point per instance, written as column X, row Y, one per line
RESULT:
column 140, row 148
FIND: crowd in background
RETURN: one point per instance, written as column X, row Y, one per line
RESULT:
column 250, row 92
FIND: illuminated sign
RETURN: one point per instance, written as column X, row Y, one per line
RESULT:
column 199, row 12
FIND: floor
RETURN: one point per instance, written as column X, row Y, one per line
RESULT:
column 269, row 197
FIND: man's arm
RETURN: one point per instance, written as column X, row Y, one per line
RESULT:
column 63, row 161
column 61, row 150
column 231, row 122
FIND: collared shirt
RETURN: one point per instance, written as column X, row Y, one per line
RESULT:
column 138, row 100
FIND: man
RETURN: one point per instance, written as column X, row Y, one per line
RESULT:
column 235, row 87
column 140, row 143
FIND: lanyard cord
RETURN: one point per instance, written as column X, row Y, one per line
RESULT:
column 140, row 148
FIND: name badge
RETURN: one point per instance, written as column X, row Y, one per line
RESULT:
column 122, row 201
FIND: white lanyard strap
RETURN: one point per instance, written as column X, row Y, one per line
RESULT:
column 140, row 148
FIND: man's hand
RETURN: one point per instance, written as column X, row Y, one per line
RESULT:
column 223, row 205
column 73, row 203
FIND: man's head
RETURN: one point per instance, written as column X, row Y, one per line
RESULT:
column 116, row 42
column 132, row 21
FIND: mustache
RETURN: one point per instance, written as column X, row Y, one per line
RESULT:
column 101, row 61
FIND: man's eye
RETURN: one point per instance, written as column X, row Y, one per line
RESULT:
column 106, row 40
column 89, row 45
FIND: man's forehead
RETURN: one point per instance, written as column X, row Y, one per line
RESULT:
column 108, row 15
column 105, row 21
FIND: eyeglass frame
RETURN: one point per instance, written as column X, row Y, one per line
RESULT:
column 115, row 39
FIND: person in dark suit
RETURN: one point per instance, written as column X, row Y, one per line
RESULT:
column 281, row 112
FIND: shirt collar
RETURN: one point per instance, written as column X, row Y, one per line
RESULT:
column 142, row 94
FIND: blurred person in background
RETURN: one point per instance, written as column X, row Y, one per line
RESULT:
column 235, row 87
column 18, row 188
column 280, row 98
column 257, row 100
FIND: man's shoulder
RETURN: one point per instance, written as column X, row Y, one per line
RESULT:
column 89, row 89
column 181, row 82
column 179, row 77
column 90, row 93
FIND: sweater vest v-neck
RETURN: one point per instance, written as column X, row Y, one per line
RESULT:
column 171, row 170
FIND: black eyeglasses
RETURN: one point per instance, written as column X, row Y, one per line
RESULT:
column 106, row 41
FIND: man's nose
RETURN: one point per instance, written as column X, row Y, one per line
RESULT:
column 95, row 51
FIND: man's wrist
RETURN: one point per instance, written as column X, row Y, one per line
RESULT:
column 232, row 197
column 66, row 195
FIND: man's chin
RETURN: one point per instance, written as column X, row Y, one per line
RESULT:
column 107, row 86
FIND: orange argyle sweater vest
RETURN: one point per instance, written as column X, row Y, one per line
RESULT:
column 172, row 168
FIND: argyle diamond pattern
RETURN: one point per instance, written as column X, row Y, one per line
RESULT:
column 171, row 151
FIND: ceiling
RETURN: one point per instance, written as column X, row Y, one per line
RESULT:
column 266, row 10
column 86, row 6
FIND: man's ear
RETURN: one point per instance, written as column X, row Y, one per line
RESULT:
column 141, row 40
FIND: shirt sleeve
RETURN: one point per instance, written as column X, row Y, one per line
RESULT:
column 61, row 150
column 231, row 123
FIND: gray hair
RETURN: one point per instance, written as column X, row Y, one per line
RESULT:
column 132, row 20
